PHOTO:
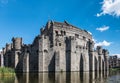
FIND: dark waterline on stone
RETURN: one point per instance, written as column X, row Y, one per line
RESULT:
column 64, row 77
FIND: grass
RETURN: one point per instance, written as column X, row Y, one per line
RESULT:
column 6, row 71
column 114, row 69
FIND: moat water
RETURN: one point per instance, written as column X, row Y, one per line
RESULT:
column 63, row 77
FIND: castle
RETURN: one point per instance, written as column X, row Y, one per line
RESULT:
column 59, row 47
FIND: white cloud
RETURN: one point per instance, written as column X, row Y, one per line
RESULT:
column 117, row 55
column 110, row 7
column 98, row 15
column 0, row 50
column 104, row 43
column 103, row 28
column 94, row 40
column 89, row 32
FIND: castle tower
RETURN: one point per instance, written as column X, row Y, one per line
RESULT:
column 100, row 55
column 8, row 55
column 91, row 55
column 60, row 56
column 41, row 54
column 17, row 44
column 73, row 54
column 26, row 60
column 105, row 53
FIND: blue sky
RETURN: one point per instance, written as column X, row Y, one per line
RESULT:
column 24, row 18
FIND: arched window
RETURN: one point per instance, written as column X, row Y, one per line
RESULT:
column 45, row 51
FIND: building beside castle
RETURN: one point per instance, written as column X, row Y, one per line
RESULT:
column 114, row 61
column 59, row 47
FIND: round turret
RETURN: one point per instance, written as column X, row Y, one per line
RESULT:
column 17, row 43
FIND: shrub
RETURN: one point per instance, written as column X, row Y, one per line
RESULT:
column 6, row 71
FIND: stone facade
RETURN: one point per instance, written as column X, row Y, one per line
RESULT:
column 114, row 61
column 59, row 47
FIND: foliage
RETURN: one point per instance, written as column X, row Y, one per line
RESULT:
column 114, row 69
column 6, row 71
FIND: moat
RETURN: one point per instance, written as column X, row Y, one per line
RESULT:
column 63, row 77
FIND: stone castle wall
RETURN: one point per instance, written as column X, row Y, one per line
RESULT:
column 59, row 47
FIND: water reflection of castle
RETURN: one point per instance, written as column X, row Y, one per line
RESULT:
column 60, row 47
column 64, row 77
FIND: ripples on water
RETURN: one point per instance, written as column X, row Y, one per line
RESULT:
column 73, row 77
